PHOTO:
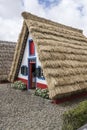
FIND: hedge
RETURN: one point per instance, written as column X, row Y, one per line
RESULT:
column 75, row 118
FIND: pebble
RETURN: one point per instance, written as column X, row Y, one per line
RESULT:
column 22, row 110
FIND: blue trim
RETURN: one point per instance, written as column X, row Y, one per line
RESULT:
column 29, row 59
column 26, row 68
column 36, row 67
column 28, row 74
column 30, row 40
column 41, row 78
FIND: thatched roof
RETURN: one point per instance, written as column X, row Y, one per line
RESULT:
column 6, row 57
column 62, row 51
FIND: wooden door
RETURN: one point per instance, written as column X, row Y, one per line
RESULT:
column 32, row 75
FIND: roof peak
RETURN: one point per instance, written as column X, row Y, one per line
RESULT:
column 27, row 15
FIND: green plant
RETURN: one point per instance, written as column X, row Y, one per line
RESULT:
column 75, row 118
column 19, row 85
column 42, row 93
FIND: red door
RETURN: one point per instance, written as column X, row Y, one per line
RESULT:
column 32, row 76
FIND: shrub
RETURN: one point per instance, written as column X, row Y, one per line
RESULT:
column 42, row 93
column 19, row 85
column 75, row 118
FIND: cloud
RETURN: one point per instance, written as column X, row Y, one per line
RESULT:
column 34, row 7
column 48, row 3
column 10, row 29
column 10, row 8
column 69, row 12
column 10, row 19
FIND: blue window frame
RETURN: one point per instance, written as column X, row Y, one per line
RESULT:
column 24, row 70
column 39, row 73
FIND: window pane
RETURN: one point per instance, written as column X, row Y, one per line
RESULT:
column 39, row 73
column 24, row 70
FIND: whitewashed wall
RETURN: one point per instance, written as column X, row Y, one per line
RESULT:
column 38, row 79
column 25, row 63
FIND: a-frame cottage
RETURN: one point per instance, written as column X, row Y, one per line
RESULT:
column 52, row 55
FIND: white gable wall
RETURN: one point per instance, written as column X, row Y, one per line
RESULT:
column 38, row 79
column 25, row 63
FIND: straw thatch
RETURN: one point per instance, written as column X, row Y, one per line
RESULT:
column 6, row 57
column 62, row 51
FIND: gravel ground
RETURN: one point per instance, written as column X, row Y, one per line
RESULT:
column 22, row 110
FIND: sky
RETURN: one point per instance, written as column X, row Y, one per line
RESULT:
column 69, row 12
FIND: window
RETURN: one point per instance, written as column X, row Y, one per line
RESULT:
column 31, row 47
column 24, row 70
column 39, row 73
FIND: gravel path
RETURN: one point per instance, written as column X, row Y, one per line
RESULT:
column 22, row 110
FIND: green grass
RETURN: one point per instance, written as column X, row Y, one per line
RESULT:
column 75, row 118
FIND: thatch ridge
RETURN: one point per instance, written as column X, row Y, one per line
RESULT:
column 62, row 51
column 19, row 51
column 30, row 16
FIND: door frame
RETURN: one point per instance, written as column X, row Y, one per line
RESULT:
column 29, row 75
